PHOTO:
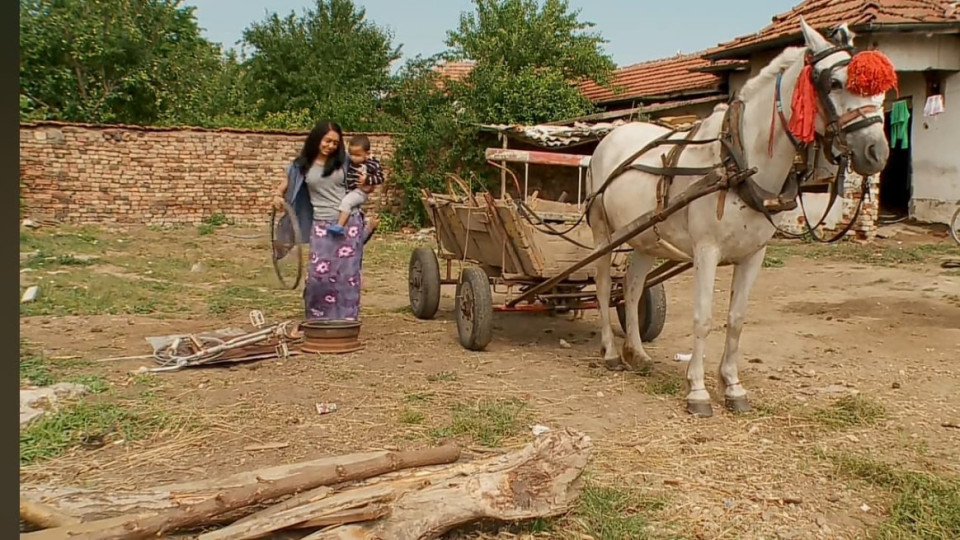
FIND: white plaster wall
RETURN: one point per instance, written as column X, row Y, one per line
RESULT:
column 917, row 51
column 935, row 150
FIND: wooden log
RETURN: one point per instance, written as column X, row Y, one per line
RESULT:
column 144, row 525
column 540, row 480
column 43, row 515
column 92, row 504
column 313, row 495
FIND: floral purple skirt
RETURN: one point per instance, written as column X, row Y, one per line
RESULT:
column 332, row 289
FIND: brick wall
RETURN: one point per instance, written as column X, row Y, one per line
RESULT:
column 121, row 174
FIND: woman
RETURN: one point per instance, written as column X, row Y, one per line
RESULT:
column 314, row 187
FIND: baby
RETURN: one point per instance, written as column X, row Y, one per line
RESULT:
column 363, row 176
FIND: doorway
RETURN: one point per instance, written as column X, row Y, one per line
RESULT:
column 896, row 179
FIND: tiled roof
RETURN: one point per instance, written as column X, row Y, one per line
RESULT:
column 454, row 70
column 858, row 14
column 655, row 79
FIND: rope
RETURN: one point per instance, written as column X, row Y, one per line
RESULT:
column 525, row 212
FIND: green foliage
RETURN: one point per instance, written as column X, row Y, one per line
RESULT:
column 519, row 34
column 530, row 95
column 527, row 59
column 329, row 61
column 112, row 61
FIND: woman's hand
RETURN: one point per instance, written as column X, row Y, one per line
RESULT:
column 278, row 203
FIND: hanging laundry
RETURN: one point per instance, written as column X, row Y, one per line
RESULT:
column 899, row 122
column 933, row 106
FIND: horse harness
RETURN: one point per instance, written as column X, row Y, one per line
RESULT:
column 734, row 163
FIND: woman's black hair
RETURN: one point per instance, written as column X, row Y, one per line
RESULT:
column 311, row 149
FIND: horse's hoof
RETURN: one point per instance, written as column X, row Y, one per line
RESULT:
column 737, row 405
column 700, row 409
column 613, row 364
column 638, row 361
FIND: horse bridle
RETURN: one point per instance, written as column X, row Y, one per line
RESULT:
column 838, row 126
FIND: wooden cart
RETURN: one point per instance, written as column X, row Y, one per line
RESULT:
column 512, row 246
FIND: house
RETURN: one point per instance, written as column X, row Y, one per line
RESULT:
column 679, row 86
column 922, row 38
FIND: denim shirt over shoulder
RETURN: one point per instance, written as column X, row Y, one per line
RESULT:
column 299, row 200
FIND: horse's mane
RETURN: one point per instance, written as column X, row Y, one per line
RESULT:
column 784, row 60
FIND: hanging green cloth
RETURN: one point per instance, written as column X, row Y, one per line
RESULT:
column 899, row 120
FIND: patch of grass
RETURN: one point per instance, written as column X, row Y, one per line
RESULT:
column 611, row 513
column 96, row 383
column 84, row 240
column 56, row 433
column 851, row 411
column 34, row 368
column 419, row 397
column 37, row 370
column 43, row 260
column 205, row 229
column 217, row 220
column 864, row 253
column 772, row 261
column 486, row 422
column 443, row 376
column 925, row 505
column 88, row 294
column 665, row 385
column 411, row 416
column 234, row 298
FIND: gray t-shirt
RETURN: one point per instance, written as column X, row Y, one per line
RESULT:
column 325, row 192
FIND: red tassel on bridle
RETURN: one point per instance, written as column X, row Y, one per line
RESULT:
column 804, row 107
column 871, row 73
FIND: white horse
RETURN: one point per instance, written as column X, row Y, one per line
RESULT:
column 697, row 233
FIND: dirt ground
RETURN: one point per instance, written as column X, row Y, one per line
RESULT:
column 851, row 360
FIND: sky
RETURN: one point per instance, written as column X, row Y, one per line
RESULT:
column 636, row 30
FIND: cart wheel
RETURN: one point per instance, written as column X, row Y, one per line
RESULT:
column 424, row 283
column 474, row 309
column 652, row 312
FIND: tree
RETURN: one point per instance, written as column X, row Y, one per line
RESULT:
column 330, row 61
column 528, row 59
column 105, row 61
column 519, row 34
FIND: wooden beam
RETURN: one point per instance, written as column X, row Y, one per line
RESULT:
column 537, row 157
column 710, row 183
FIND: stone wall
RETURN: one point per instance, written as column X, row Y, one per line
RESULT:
column 157, row 176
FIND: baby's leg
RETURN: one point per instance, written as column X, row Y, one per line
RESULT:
column 351, row 200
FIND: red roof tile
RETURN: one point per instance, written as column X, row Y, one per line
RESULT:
column 655, row 79
column 858, row 14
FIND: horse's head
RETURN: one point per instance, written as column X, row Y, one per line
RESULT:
column 850, row 90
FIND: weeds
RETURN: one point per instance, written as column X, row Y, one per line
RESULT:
column 411, row 417
column 860, row 253
column 443, row 376
column 610, row 513
column 851, row 411
column 925, row 506
column 85, row 424
column 487, row 422
column 37, row 370
column 665, row 385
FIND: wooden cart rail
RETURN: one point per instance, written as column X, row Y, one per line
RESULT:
column 710, row 183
